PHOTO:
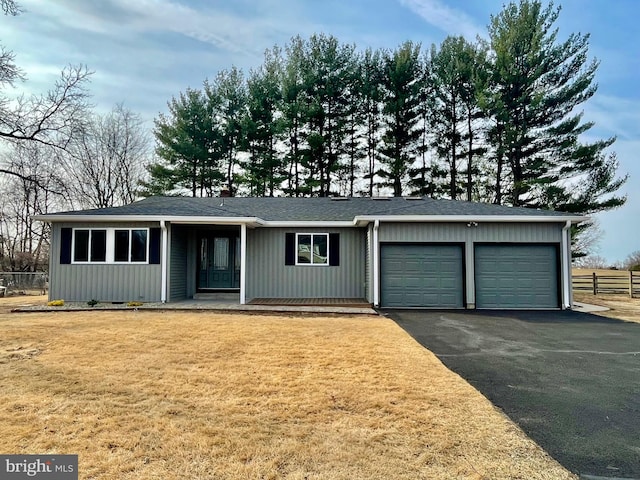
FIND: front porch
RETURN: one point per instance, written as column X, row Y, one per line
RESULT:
column 325, row 302
column 243, row 264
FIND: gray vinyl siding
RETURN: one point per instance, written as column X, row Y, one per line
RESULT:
column 269, row 277
column 459, row 232
column 102, row 282
column 178, row 263
column 469, row 235
column 192, row 263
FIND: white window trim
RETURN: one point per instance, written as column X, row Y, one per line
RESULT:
column 311, row 264
column 110, row 246
column 89, row 261
column 111, row 249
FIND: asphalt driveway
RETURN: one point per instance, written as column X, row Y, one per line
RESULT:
column 570, row 380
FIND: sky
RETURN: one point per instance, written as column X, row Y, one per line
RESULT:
column 144, row 52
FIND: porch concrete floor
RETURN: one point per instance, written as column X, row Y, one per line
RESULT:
column 326, row 302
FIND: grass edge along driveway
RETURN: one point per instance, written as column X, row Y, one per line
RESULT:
column 201, row 395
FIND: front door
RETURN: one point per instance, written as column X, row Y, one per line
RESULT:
column 219, row 262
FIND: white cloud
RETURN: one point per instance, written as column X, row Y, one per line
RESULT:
column 246, row 32
column 445, row 18
column 617, row 115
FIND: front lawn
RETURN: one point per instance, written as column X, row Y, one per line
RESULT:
column 197, row 395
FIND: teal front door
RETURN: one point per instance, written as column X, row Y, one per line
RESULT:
column 219, row 262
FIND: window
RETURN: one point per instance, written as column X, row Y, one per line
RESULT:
column 121, row 252
column 109, row 245
column 130, row 245
column 312, row 249
column 221, row 253
column 89, row 246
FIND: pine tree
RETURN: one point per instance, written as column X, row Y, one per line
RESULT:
column 328, row 68
column 538, row 82
column 293, row 112
column 227, row 97
column 402, row 87
column 371, row 94
column 185, row 144
column 262, row 129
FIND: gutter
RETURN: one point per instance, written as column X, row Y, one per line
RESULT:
column 376, row 264
column 362, row 220
column 358, row 220
column 567, row 293
column 163, row 261
column 253, row 221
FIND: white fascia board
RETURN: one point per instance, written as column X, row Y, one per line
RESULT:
column 251, row 221
column 362, row 220
column 308, row 224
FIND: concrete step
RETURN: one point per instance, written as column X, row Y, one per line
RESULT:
column 227, row 297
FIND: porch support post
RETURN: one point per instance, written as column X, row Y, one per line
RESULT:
column 164, row 244
column 376, row 264
column 243, row 263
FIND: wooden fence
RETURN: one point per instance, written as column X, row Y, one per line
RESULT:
column 625, row 283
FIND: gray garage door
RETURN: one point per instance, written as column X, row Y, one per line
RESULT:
column 516, row 276
column 421, row 276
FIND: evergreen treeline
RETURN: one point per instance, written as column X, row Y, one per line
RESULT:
column 495, row 120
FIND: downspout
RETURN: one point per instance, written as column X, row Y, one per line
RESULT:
column 243, row 264
column 163, row 261
column 376, row 265
column 567, row 294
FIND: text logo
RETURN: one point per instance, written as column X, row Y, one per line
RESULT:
column 50, row 467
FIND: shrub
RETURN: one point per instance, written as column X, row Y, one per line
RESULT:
column 92, row 303
column 56, row 303
column 134, row 304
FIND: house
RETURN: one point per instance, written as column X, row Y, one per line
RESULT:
column 393, row 252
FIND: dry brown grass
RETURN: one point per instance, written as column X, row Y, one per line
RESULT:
column 7, row 303
column 621, row 307
column 211, row 396
column 600, row 271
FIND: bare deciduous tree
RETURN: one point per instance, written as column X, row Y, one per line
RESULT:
column 50, row 119
column 10, row 7
column 592, row 261
column 23, row 241
column 106, row 161
column 586, row 240
column 632, row 262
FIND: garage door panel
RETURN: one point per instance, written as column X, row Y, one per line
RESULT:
column 421, row 276
column 516, row 276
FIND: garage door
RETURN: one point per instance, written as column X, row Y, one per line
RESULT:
column 421, row 276
column 516, row 276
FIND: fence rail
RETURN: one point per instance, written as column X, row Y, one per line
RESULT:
column 626, row 283
column 23, row 282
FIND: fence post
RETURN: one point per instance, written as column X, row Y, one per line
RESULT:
column 595, row 283
column 630, row 283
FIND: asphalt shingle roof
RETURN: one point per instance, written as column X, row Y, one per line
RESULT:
column 306, row 209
